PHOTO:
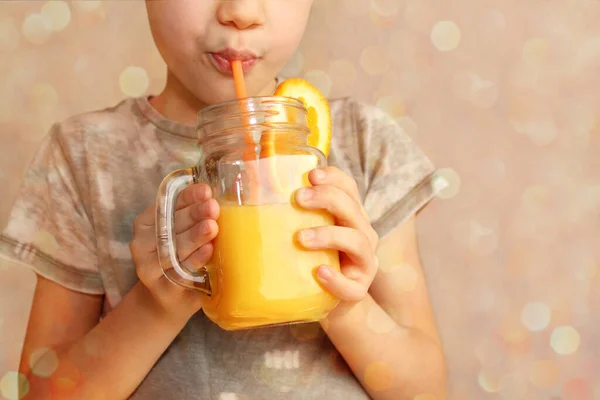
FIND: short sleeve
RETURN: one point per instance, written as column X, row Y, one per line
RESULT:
column 398, row 178
column 49, row 229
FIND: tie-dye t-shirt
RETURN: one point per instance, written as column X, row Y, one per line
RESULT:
column 73, row 220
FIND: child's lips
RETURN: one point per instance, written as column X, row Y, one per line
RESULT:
column 223, row 59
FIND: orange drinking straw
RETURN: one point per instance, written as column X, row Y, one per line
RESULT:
column 240, row 91
column 238, row 79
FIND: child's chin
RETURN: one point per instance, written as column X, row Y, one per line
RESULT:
column 217, row 92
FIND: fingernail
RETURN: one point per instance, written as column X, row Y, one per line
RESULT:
column 305, row 194
column 200, row 194
column 307, row 236
column 324, row 273
column 319, row 174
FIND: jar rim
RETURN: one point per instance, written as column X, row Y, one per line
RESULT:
column 253, row 101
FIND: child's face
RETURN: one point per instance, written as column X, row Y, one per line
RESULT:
column 199, row 38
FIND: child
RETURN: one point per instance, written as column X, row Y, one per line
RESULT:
column 106, row 324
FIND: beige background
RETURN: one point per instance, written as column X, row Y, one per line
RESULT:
column 504, row 93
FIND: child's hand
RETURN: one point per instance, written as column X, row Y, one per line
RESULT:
column 195, row 226
column 336, row 192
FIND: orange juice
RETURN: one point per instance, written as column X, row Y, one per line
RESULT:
column 259, row 274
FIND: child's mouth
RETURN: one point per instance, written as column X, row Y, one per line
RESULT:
column 222, row 60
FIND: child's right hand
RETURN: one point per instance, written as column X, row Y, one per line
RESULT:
column 196, row 227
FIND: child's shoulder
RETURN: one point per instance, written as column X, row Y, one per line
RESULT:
column 348, row 107
column 116, row 120
column 355, row 122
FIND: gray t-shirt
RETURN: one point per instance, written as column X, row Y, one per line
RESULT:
column 94, row 173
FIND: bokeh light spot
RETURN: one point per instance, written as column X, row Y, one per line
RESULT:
column 58, row 14
column 481, row 92
column 425, row 396
column 65, row 381
column 87, row 5
column 379, row 376
column 540, row 130
column 386, row 8
column 577, row 389
column 321, row 80
column 445, row 36
column 407, row 276
column 344, row 73
column 476, row 236
column 9, row 35
column 449, row 183
column 43, row 97
column 382, row 14
column 513, row 332
column 43, row 362
column 565, row 340
column 535, row 197
column 496, row 20
column 374, row 60
column 392, row 106
column 535, row 51
column 544, row 373
column 92, row 343
column 378, row 321
column 536, row 316
column 134, row 81
column 488, row 381
column 408, row 125
column 14, row 385
column 36, row 29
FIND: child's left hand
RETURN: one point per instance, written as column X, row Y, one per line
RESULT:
column 353, row 235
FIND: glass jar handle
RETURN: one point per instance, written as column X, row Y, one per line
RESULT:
column 166, row 244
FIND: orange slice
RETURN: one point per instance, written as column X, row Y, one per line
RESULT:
column 318, row 121
column 319, row 114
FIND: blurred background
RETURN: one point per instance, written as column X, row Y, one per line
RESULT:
column 503, row 95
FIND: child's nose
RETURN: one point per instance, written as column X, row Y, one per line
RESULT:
column 241, row 14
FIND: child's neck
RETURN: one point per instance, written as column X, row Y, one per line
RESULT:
column 176, row 102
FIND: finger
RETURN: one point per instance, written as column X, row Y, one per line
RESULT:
column 144, row 241
column 149, row 269
column 339, row 204
column 199, row 258
column 352, row 242
column 195, row 193
column 335, row 177
column 144, row 220
column 143, row 245
column 340, row 286
column 197, row 236
column 189, row 216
